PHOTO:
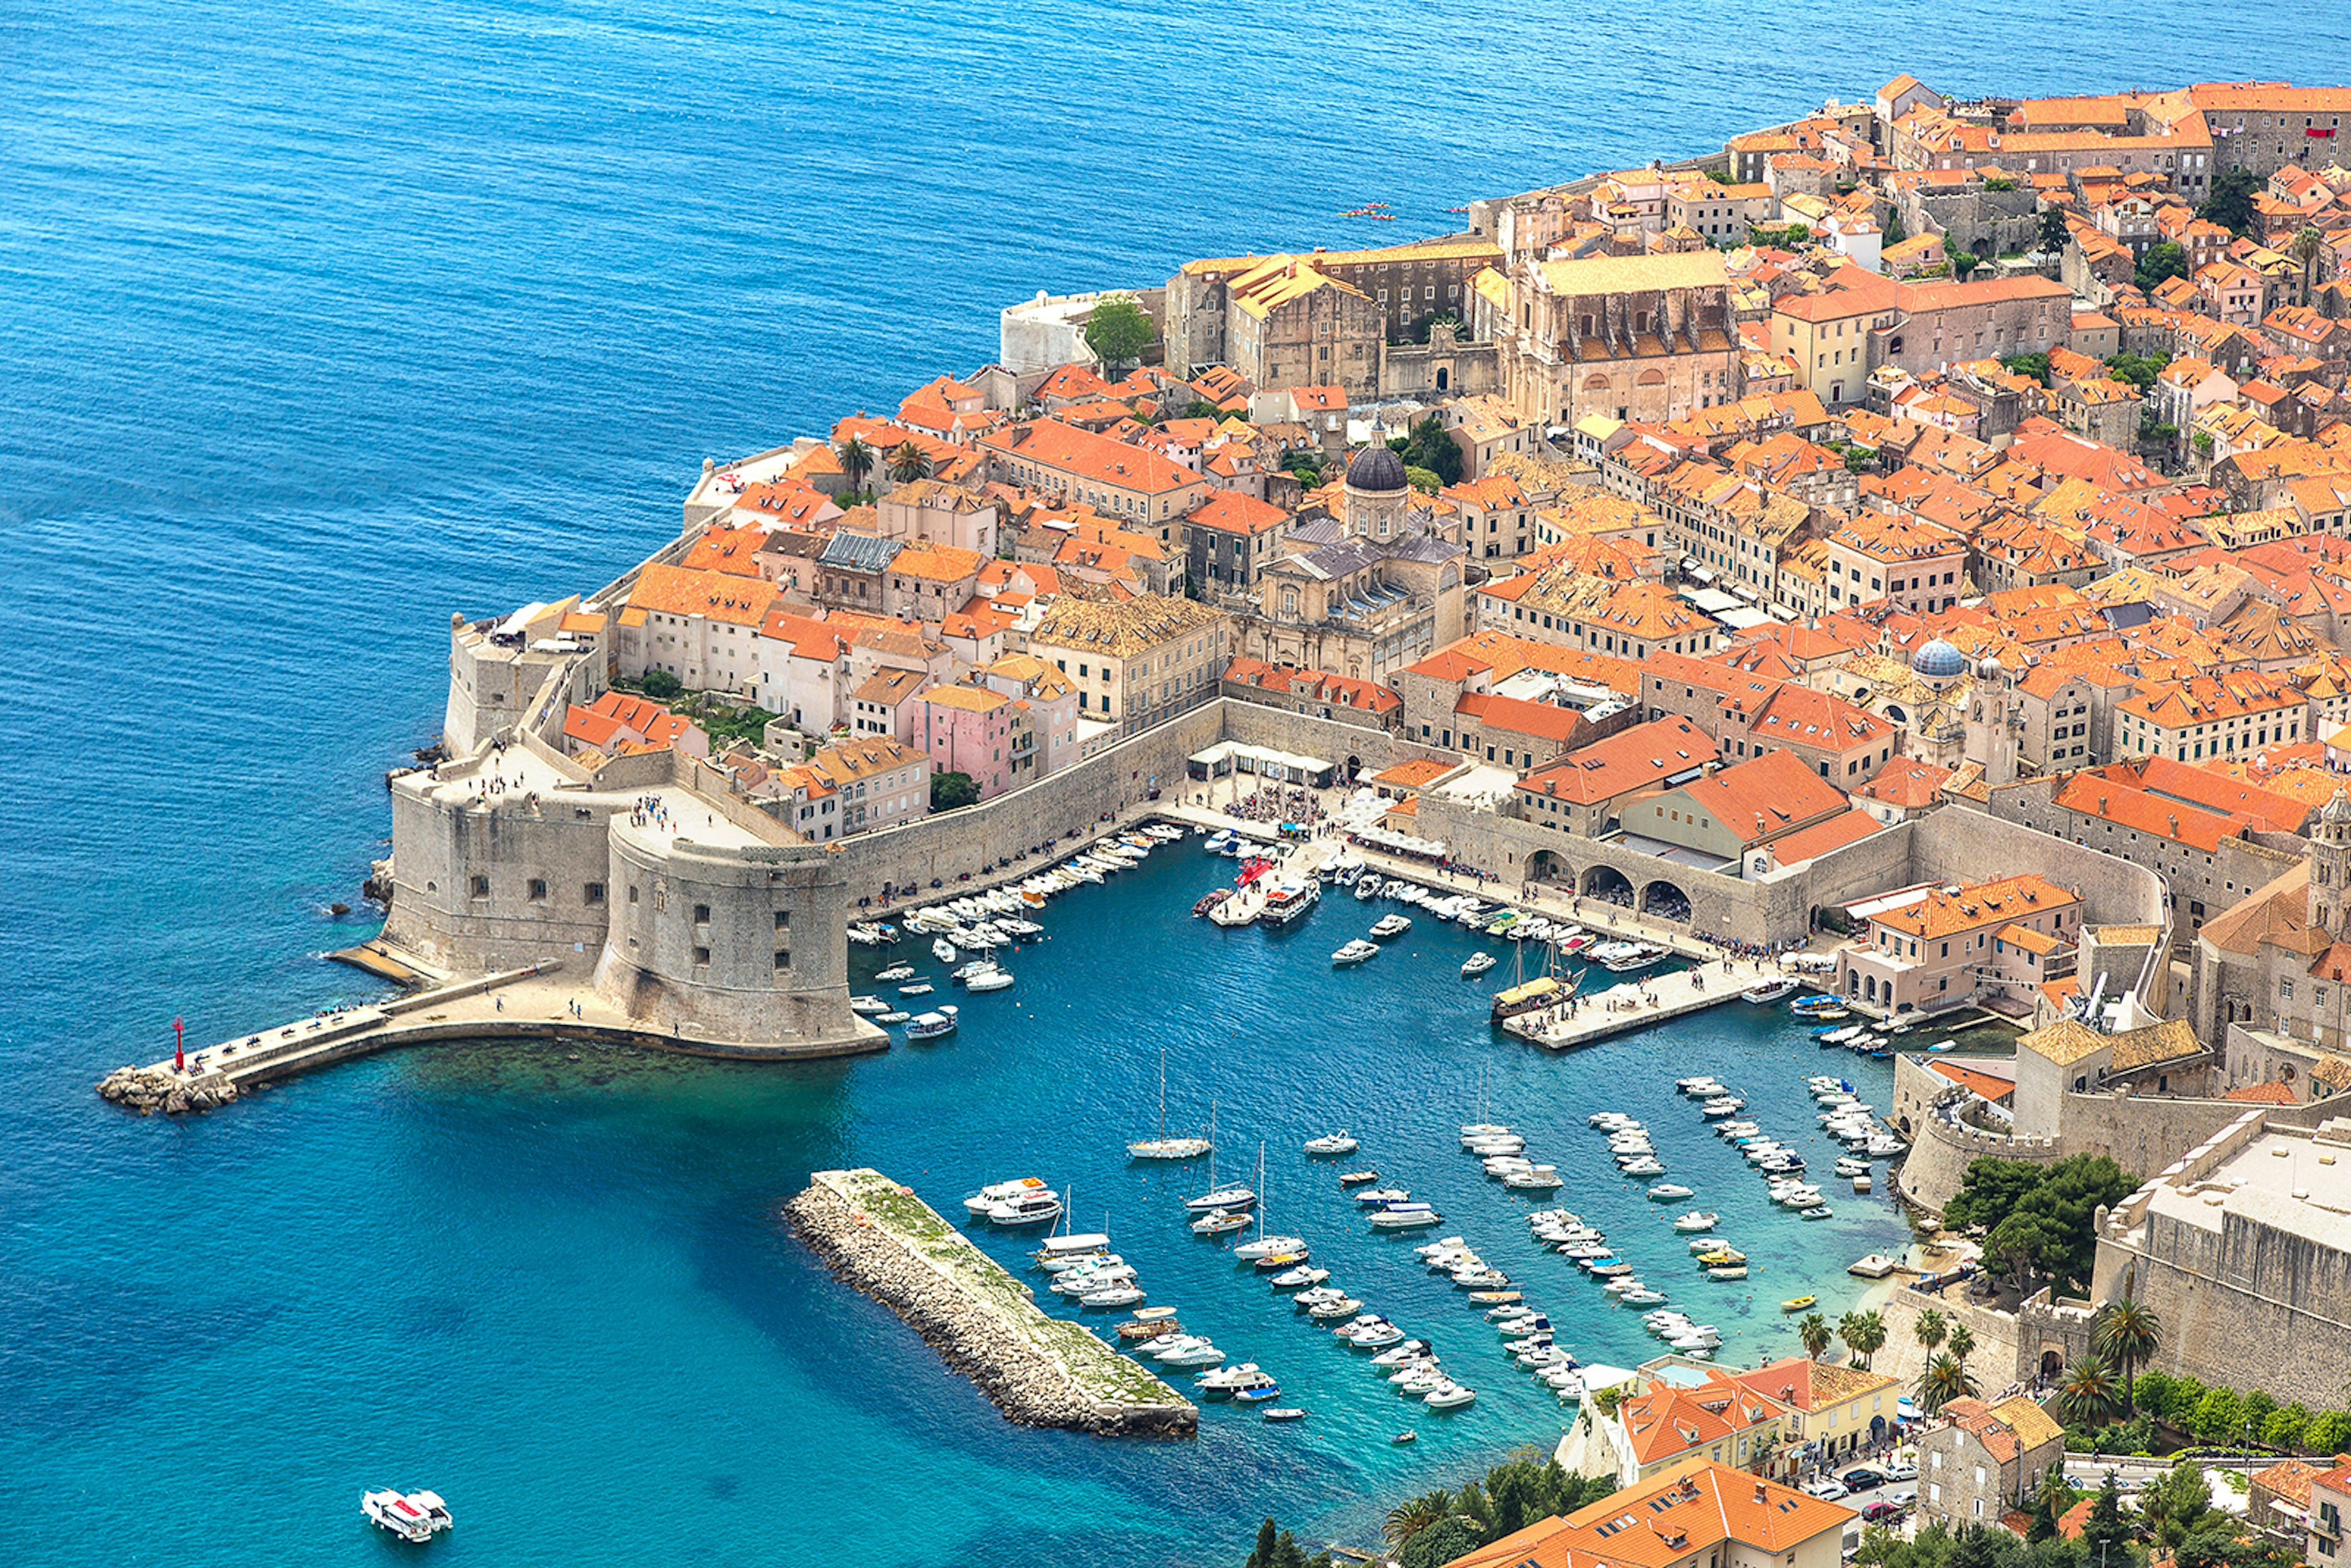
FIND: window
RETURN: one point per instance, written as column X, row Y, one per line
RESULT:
column 783, row 920
column 701, row 956
column 538, row 890
column 481, row 887
column 702, row 914
column 593, row 894
column 632, row 893
column 783, row 957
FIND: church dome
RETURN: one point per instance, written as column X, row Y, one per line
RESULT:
column 1938, row 661
column 1376, row 468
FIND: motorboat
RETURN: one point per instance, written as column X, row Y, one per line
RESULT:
column 1448, row 1395
column 1289, row 901
column 868, row 1005
column 1294, row 1278
column 1357, row 1178
column 1100, row 1275
column 1406, row 1217
column 1817, row 1211
column 990, row 979
column 1234, row 1379
column 1354, row 952
column 944, row 950
column 1643, row 1165
column 1280, row 1262
column 1332, row 1144
column 1419, row 1382
column 893, row 974
column 1715, row 1110
column 1144, row 1329
column 1539, row 1178
column 1063, row 1253
column 919, row 988
column 1285, row 1413
column 987, row 1198
column 1391, row 926
column 1397, row 1354
column 1125, row 1295
column 1800, row 1303
column 935, row 1024
column 1476, row 965
column 896, row 1016
column 1489, row 1298
column 1344, row 1307
column 1700, row 1088
column 1366, row 889
column 1199, row 1353
column 412, row 1516
column 1696, row 1220
column 1727, row 1272
column 1222, row 1222
column 1374, row 1337
column 1382, row 1196
column 1480, row 1280
column 1777, row 989
column 1036, row 1208
column 1268, row 1247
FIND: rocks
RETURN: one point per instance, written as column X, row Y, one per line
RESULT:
column 972, row 1335
column 148, row 1089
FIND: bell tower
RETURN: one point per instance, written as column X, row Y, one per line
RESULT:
column 2330, row 864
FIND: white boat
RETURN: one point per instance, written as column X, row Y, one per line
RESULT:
column 1221, row 1222
column 1406, row 1217
column 1036, row 1208
column 1302, row 1276
column 1197, row 1352
column 868, row 1005
column 1114, row 1296
column 1476, row 965
column 1539, row 1178
column 1778, row 989
column 1357, row 1178
column 932, row 1026
column 1366, row 889
column 990, row 979
column 1391, row 926
column 893, row 974
column 1343, row 1307
column 1700, row 1088
column 944, row 950
column 1061, row 1253
column 1289, row 901
column 1234, row 1379
column 897, row 1015
column 1331, row 1144
column 1164, row 1147
column 1354, row 952
column 1696, row 1220
column 987, row 1198
column 1384, row 1196
column 412, row 1516
column 919, row 988
column 1449, row 1395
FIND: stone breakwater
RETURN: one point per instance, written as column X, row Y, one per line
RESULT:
column 1039, row 1370
column 147, row 1089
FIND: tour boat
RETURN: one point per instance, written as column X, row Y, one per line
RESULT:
column 932, row 1026
column 987, row 1198
column 1800, row 1304
column 1533, row 994
column 1036, row 1208
column 412, row 1516
column 1771, row 990
column 1391, row 926
column 1331, row 1144
column 1354, row 952
column 1356, row 1179
column 1287, row 902
column 1476, row 965
column 895, row 973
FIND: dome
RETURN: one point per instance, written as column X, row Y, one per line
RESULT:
column 1938, row 661
column 1376, row 468
column 2338, row 810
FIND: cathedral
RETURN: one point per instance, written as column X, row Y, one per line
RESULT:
column 2274, row 973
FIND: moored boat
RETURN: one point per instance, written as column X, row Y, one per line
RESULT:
column 412, row 1516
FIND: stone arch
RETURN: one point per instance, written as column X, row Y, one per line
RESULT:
column 2053, row 1364
column 1663, row 900
column 1595, row 382
column 1548, row 865
column 1609, row 885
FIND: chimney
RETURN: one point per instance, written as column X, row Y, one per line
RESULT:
column 1761, row 1497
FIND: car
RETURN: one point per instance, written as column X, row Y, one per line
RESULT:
column 1881, row 1510
column 1863, row 1479
column 1828, row 1488
column 1901, row 1497
column 1902, row 1470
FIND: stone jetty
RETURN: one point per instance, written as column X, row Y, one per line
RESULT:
column 149, row 1089
column 1039, row 1370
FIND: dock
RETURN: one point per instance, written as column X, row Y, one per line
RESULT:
column 1632, row 1002
column 1040, row 1371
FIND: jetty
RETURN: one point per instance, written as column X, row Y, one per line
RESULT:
column 1039, row 1370
column 1633, row 1002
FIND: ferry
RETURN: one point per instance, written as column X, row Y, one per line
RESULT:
column 1289, row 900
column 412, row 1516
column 932, row 1026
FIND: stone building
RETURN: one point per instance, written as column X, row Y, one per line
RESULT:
column 1136, row 662
column 1984, row 1460
column 1693, row 1512
column 1363, row 593
column 1405, row 284
column 1649, row 337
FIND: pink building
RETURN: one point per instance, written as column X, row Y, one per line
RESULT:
column 1995, row 943
column 969, row 729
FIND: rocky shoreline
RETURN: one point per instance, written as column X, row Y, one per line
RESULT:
column 983, row 1324
column 147, row 1091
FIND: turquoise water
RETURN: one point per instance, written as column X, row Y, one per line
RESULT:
column 318, row 321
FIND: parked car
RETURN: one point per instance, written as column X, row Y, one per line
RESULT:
column 1901, row 1497
column 1826, row 1488
column 1861, row 1477
column 1880, row 1511
column 1902, row 1470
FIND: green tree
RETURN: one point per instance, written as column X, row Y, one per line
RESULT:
column 2308, row 243
column 2220, row 1544
column 1267, row 1540
column 1286, row 1552
column 1202, row 409
column 1431, row 446
column 1929, row 1329
column 2161, row 263
column 909, row 463
column 2137, row 370
column 1814, row 1334
column 2285, row 1428
column 2107, row 1534
column 2033, row 365
column 2055, row 233
column 2328, row 1433
column 1414, row 1515
column 1962, row 1342
column 2231, row 204
column 2088, row 1395
column 952, row 791
column 1423, row 480
column 2019, row 1248
column 1963, row 260
column 2128, row 1333
column 2050, row 1500
column 2202, row 442
column 1991, row 1188
column 1945, row 1380
column 1118, row 330
column 661, row 686
column 2218, row 1418
column 1451, row 1537
column 2177, row 1502
column 857, row 460
column 1894, row 231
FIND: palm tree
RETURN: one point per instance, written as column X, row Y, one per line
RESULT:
column 1961, row 1342
column 1414, row 1515
column 856, row 460
column 2305, row 248
column 1944, row 1380
column 909, row 463
column 2127, row 1333
column 1863, row 1333
column 1814, row 1332
column 2089, row 1396
column 1928, row 1328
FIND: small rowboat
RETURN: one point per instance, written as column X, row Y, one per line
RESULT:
column 1155, row 1329
column 1800, row 1303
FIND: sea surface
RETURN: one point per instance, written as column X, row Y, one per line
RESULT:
column 319, row 321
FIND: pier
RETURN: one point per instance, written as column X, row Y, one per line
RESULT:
column 536, row 1003
column 1039, row 1370
column 1633, row 1001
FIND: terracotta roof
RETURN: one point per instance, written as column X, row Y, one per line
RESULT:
column 1630, row 760
column 2261, row 1094
column 1943, row 913
column 1689, row 1510
column 1809, row 843
column 664, row 590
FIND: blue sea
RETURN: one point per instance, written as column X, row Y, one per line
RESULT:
column 318, row 322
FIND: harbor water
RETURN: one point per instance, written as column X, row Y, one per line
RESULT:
column 317, row 322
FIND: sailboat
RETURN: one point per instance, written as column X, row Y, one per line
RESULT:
column 1164, row 1147
column 1233, row 1199
column 1525, row 995
column 1268, row 1246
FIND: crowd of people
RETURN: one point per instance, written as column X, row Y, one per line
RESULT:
column 1278, row 803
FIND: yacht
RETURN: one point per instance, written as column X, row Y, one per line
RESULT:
column 1234, row 1379
column 1448, row 1395
column 1123, row 1293
column 893, row 974
column 987, row 1198
column 932, row 1026
column 412, row 1516
column 1164, row 1147
column 1696, row 1220
column 944, row 950
column 1332, row 1144
column 1288, row 901
column 1777, row 989
column 1391, row 926
column 1357, row 1178
column 1346, row 1306
column 1266, row 1248
column 1476, row 965
column 1384, row 1196
column 1036, row 1208
column 1298, row 1277
column 1406, row 1217
column 868, row 1005
column 1354, row 952
column 989, row 979
column 1221, row 1222
column 1187, row 1351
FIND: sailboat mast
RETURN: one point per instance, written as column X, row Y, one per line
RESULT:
column 1163, row 1093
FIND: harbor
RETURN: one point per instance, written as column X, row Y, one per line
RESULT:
column 1040, row 1371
